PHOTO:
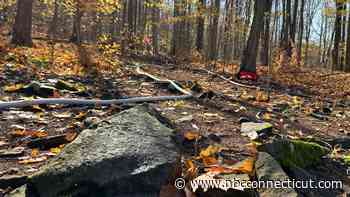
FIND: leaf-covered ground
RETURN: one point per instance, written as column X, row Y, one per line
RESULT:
column 307, row 104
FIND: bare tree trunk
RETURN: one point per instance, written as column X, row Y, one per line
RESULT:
column 76, row 34
column 347, row 65
column 248, row 62
column 200, row 26
column 22, row 29
column 228, row 40
column 155, row 27
column 265, row 45
column 301, row 29
column 337, row 36
column 213, row 31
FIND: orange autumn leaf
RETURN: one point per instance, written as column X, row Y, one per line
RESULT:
column 209, row 161
column 80, row 116
column 13, row 88
column 219, row 170
column 261, row 96
column 210, row 151
column 245, row 167
column 191, row 135
column 39, row 134
column 70, row 136
column 35, row 152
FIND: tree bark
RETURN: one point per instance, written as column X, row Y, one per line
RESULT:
column 265, row 45
column 337, row 36
column 155, row 28
column 213, row 31
column 248, row 62
column 200, row 26
column 347, row 65
column 22, row 29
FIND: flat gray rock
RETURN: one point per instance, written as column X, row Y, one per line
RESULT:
column 268, row 169
column 127, row 154
column 252, row 129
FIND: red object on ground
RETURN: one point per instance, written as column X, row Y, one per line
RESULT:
column 248, row 75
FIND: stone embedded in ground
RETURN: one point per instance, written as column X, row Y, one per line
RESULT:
column 12, row 181
column 127, row 154
column 268, row 169
column 253, row 130
column 19, row 192
column 295, row 152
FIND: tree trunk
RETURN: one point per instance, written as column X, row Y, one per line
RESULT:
column 265, row 45
column 213, row 31
column 155, row 28
column 337, row 36
column 301, row 29
column 22, row 29
column 76, row 34
column 347, row 65
column 200, row 26
column 248, row 62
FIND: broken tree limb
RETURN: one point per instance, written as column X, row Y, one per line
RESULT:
column 227, row 79
column 87, row 102
column 171, row 82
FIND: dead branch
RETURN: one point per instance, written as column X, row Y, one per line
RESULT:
column 87, row 102
column 170, row 82
column 226, row 79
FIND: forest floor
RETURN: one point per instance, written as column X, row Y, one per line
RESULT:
column 315, row 105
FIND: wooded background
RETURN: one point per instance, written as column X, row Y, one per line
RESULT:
column 313, row 33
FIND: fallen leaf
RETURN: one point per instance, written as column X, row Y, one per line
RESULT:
column 267, row 116
column 245, row 167
column 13, row 88
column 39, row 134
column 35, row 152
column 209, row 161
column 55, row 151
column 210, row 151
column 62, row 115
column 262, row 96
column 191, row 135
column 80, row 116
column 33, row 160
column 70, row 136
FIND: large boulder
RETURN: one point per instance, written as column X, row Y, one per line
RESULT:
column 268, row 169
column 291, row 153
column 129, row 154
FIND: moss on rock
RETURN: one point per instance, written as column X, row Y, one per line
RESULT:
column 299, row 153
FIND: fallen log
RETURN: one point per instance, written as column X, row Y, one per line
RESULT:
column 87, row 102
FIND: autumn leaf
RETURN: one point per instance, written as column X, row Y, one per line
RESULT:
column 39, row 134
column 70, row 136
column 209, row 161
column 35, row 152
column 262, row 96
column 210, row 151
column 80, row 116
column 13, row 88
column 191, row 135
column 219, row 170
column 55, row 151
column 244, row 167
column 33, row 160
